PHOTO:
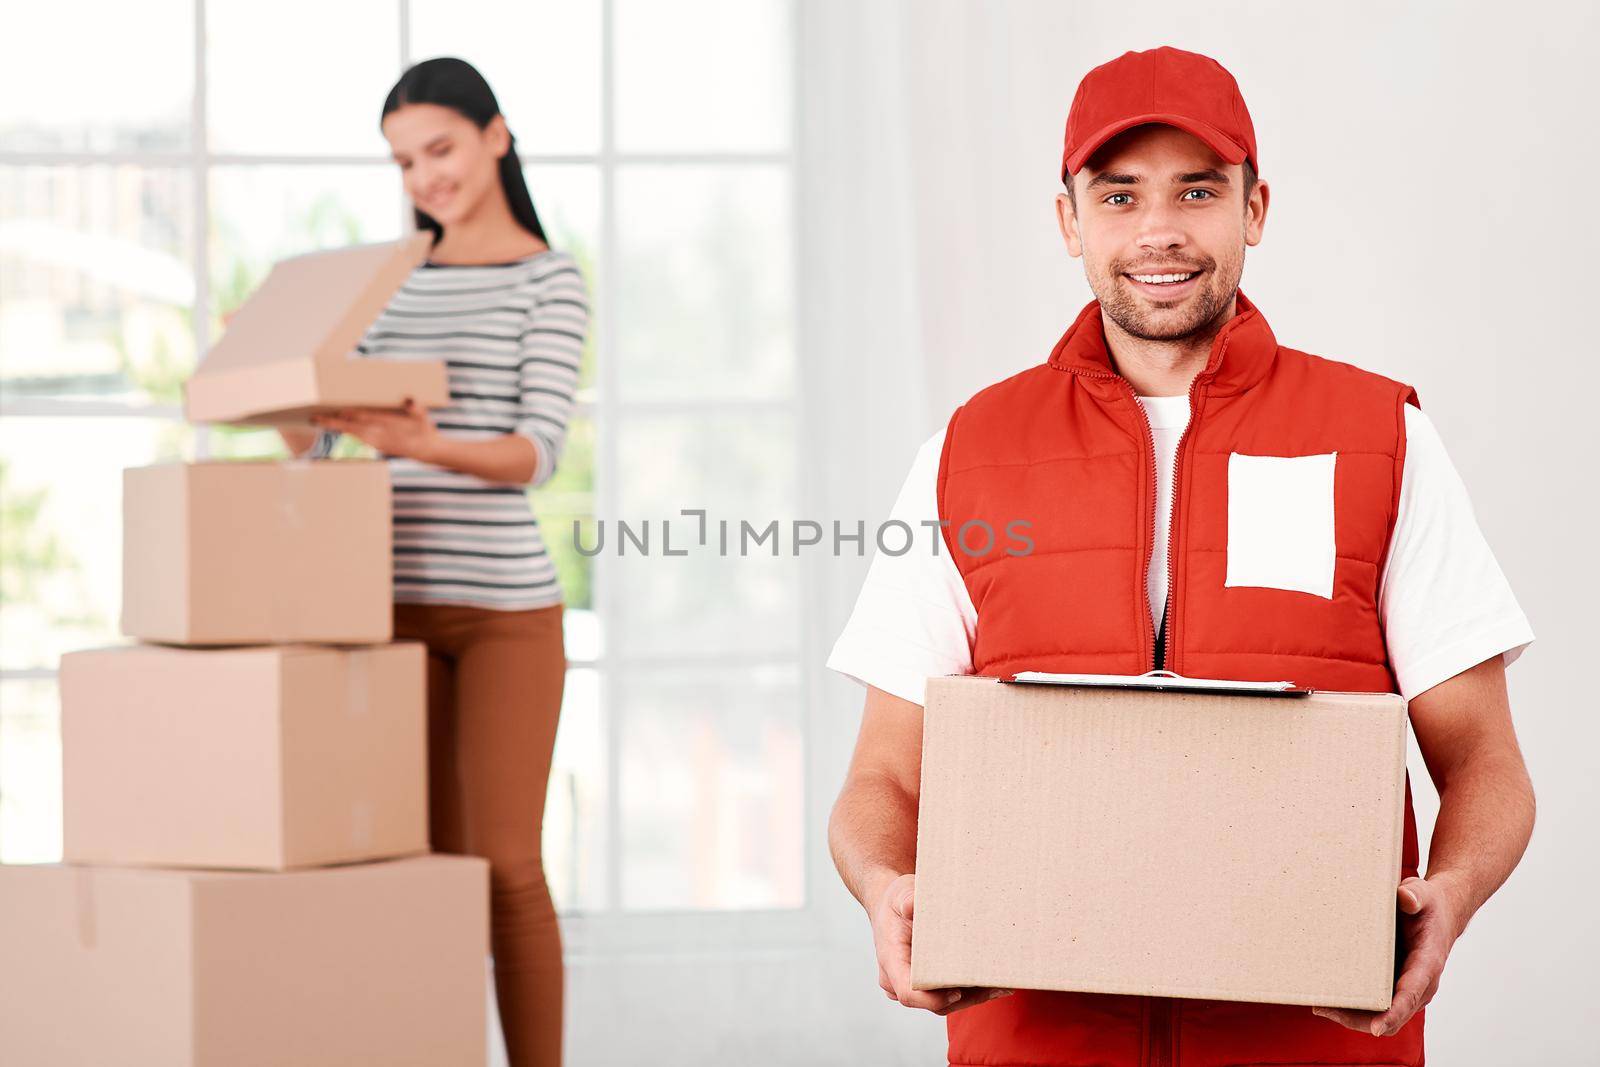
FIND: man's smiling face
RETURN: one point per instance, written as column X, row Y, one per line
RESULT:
column 1162, row 222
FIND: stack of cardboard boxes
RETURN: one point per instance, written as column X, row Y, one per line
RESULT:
column 247, row 877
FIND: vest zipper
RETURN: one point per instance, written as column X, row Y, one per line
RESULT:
column 1161, row 1011
column 1160, row 662
column 1172, row 525
column 1160, row 1032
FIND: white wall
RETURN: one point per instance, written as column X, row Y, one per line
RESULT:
column 1432, row 219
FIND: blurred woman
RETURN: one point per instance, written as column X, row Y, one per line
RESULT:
column 508, row 315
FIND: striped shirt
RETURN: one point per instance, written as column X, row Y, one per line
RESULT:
column 511, row 336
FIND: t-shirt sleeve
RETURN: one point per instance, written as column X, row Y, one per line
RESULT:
column 322, row 447
column 1445, row 602
column 551, row 342
column 913, row 618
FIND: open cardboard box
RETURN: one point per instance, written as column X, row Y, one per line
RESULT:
column 1146, row 838
column 287, row 352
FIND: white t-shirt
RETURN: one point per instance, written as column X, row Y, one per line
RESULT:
column 1445, row 603
column 1168, row 415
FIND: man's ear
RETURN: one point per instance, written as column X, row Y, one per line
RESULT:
column 1067, row 219
column 1255, row 213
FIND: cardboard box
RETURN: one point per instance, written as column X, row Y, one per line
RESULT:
column 226, row 553
column 1184, row 844
column 374, row 963
column 288, row 351
column 269, row 757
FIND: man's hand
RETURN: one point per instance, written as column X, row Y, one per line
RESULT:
column 1430, row 916
column 891, row 935
column 409, row 432
column 872, row 834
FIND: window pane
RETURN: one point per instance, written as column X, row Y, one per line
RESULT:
column 300, row 76
column 736, row 466
column 712, row 794
column 567, row 198
column 61, row 528
column 575, row 807
column 703, row 75
column 706, row 282
column 583, row 632
column 96, row 282
column 541, row 60
column 262, row 214
column 566, row 498
column 573, row 569
column 93, row 76
column 30, row 772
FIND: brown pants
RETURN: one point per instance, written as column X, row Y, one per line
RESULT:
column 494, row 694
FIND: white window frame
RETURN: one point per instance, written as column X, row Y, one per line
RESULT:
column 611, row 930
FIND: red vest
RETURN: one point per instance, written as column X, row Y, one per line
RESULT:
column 1066, row 447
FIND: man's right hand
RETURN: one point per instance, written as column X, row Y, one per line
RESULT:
column 891, row 914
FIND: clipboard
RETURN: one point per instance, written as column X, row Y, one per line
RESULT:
column 1161, row 681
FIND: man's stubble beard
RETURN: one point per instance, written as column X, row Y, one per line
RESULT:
column 1200, row 313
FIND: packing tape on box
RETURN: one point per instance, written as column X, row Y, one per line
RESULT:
column 358, row 681
column 287, row 611
column 296, row 472
column 84, row 910
column 358, row 704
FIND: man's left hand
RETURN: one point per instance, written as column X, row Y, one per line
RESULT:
column 409, row 432
column 1431, row 919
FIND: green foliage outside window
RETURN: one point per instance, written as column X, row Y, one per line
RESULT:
column 28, row 551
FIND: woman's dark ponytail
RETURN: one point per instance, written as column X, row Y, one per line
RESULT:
column 517, row 195
column 456, row 84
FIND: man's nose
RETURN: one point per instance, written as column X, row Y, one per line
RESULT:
column 1160, row 228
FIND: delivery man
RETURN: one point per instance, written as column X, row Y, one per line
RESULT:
column 1204, row 500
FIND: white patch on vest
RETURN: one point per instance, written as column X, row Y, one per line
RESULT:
column 1280, row 522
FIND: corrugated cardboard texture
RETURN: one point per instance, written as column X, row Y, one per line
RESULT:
column 287, row 350
column 1177, row 844
column 270, row 757
column 222, row 553
column 372, row 963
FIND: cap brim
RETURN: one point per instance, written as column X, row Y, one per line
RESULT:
column 1220, row 143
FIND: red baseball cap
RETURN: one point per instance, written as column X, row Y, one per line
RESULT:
column 1165, row 85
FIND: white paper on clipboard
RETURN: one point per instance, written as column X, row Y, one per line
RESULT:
column 1160, row 680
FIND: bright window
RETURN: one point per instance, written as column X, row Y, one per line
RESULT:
column 152, row 172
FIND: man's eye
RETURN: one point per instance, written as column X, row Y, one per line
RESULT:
column 1206, row 192
column 1113, row 197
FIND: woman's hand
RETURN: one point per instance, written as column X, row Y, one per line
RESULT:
column 409, row 432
